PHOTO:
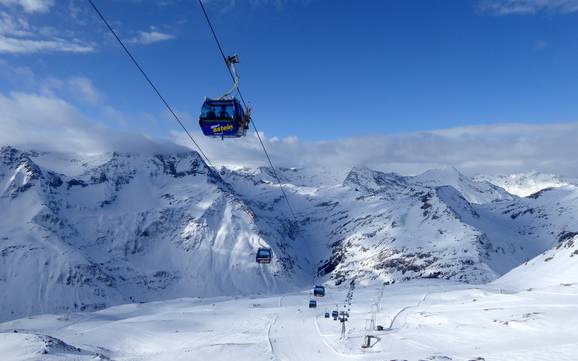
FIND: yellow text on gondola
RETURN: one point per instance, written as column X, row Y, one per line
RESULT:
column 222, row 128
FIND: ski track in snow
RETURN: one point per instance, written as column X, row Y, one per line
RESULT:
column 328, row 344
column 271, row 324
column 392, row 322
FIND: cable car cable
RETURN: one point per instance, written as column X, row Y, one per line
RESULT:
column 150, row 82
column 245, row 105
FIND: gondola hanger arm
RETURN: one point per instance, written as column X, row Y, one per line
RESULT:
column 231, row 62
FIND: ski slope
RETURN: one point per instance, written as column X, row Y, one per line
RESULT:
column 423, row 320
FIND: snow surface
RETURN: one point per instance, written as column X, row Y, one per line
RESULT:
column 555, row 267
column 525, row 184
column 422, row 320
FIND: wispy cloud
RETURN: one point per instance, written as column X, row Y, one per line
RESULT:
column 14, row 25
column 18, row 36
column 78, row 88
column 29, row 46
column 277, row 4
column 540, row 45
column 30, row 6
column 528, row 7
column 150, row 37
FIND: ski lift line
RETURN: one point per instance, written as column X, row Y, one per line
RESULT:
column 215, row 37
column 273, row 168
column 144, row 74
column 235, row 79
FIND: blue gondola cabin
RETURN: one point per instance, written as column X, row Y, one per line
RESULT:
column 319, row 291
column 264, row 255
column 224, row 118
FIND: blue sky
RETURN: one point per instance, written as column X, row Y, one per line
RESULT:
column 315, row 69
column 487, row 86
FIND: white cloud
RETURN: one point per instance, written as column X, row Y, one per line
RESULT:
column 12, row 74
column 84, row 90
column 24, row 79
column 493, row 149
column 18, row 36
column 30, row 6
column 529, row 7
column 79, row 88
column 150, row 37
column 46, row 122
column 278, row 4
column 34, row 121
column 14, row 25
column 29, row 46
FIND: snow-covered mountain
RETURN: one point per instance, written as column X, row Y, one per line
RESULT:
column 85, row 232
column 525, row 184
column 127, row 229
column 396, row 228
column 475, row 191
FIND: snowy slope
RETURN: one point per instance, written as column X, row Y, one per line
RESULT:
column 434, row 320
column 23, row 346
column 556, row 267
column 524, row 184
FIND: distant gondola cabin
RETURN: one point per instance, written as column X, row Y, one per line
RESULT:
column 264, row 255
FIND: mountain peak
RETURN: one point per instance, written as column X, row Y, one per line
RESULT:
column 442, row 174
column 372, row 181
column 473, row 191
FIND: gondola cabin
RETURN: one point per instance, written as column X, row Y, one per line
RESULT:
column 312, row 304
column 264, row 255
column 223, row 118
column 319, row 291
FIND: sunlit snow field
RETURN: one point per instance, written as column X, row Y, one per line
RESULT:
column 422, row 320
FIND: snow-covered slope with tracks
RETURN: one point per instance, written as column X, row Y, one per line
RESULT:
column 433, row 320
